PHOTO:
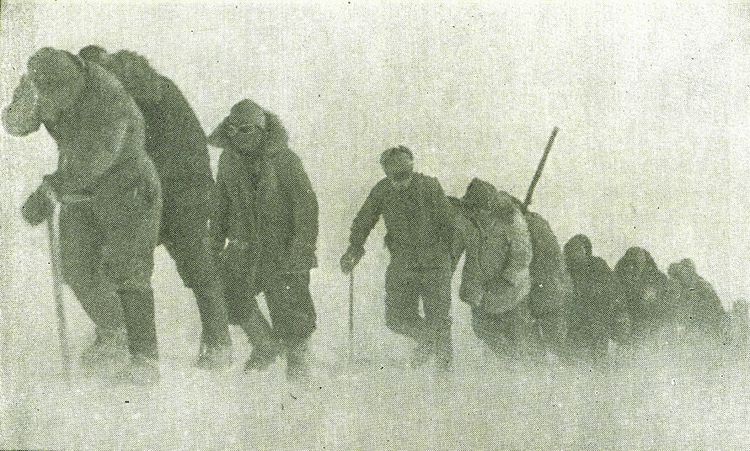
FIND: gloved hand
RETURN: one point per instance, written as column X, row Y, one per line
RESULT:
column 20, row 117
column 66, row 195
column 350, row 259
column 51, row 184
column 38, row 207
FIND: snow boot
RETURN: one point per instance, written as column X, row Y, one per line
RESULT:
column 425, row 350
column 138, row 307
column 142, row 370
column 109, row 348
column 214, row 358
column 297, row 367
column 265, row 347
column 413, row 327
column 215, row 352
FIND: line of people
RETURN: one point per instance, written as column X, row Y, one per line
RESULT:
column 134, row 172
column 526, row 295
column 587, row 305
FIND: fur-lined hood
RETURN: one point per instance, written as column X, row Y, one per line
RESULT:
column 637, row 267
column 276, row 135
column 482, row 194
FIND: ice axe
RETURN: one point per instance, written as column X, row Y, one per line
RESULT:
column 539, row 169
column 53, row 229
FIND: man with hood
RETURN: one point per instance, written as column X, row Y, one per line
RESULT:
column 697, row 307
column 176, row 143
column 496, row 280
column 645, row 293
column 551, row 288
column 265, row 228
column 596, row 313
column 108, row 189
column 419, row 227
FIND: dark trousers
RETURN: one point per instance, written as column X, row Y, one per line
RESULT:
column 288, row 298
column 107, row 251
column 405, row 284
column 184, row 233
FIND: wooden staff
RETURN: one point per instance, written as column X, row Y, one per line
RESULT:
column 351, row 314
column 539, row 169
column 53, row 228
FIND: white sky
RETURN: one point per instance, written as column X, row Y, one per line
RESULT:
column 651, row 100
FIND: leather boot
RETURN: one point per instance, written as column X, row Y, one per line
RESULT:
column 265, row 347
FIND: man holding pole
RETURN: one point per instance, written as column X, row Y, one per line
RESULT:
column 108, row 188
column 419, row 227
column 550, row 283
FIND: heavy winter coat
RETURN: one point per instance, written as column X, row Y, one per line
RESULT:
column 550, row 283
column 99, row 137
column 266, row 206
column 696, row 305
column 498, row 252
column 596, row 295
column 418, row 221
column 109, row 220
column 644, row 291
column 175, row 140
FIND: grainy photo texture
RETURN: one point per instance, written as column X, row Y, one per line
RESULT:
column 366, row 225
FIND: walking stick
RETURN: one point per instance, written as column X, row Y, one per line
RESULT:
column 53, row 228
column 351, row 314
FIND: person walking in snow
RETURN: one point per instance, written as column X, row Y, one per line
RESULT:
column 264, row 230
column 419, row 226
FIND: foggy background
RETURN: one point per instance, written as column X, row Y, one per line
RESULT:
column 651, row 100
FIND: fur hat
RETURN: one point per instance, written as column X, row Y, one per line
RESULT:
column 50, row 68
column 576, row 242
column 92, row 53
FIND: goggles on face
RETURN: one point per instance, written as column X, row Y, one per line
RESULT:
column 243, row 129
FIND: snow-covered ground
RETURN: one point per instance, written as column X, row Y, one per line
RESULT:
column 651, row 100
column 661, row 399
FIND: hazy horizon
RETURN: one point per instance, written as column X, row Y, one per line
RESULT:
column 651, row 104
column 651, row 100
